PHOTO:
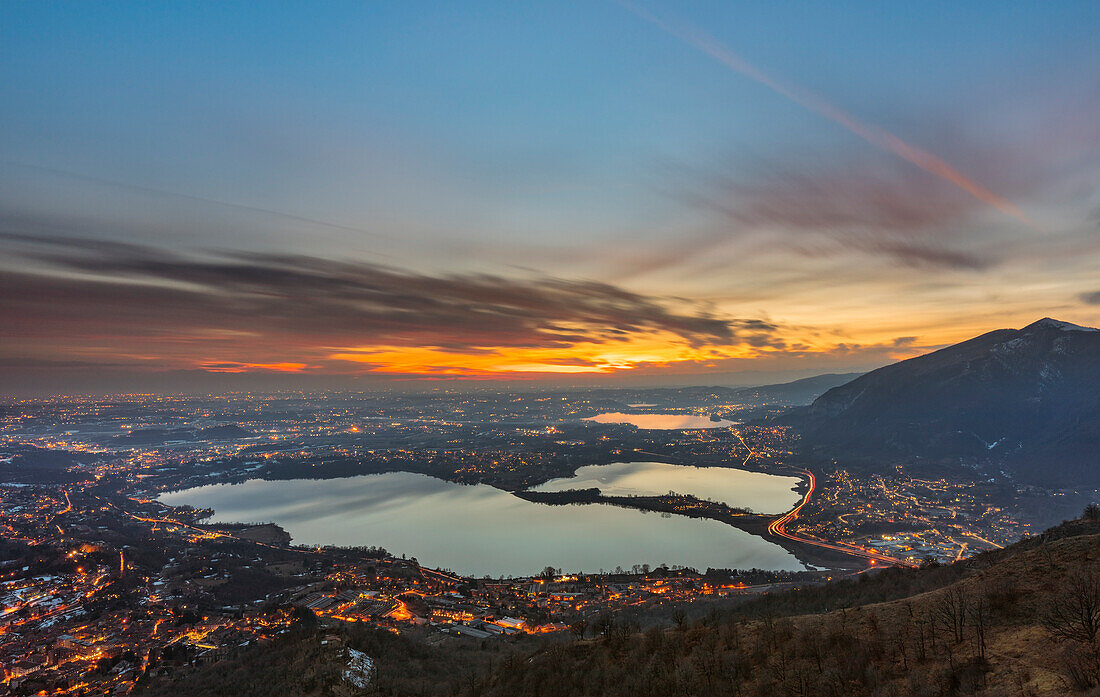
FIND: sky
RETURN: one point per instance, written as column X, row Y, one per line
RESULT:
column 206, row 195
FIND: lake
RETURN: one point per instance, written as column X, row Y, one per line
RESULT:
column 660, row 421
column 763, row 493
column 479, row 530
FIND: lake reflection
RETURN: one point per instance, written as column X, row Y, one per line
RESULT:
column 479, row 530
column 660, row 421
column 763, row 493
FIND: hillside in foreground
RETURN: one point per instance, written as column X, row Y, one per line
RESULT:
column 1020, row 621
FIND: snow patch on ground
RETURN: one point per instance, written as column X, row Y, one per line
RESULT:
column 360, row 668
column 1064, row 326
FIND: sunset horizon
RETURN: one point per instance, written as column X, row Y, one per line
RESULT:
column 628, row 198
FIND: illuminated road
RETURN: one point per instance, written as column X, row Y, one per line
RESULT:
column 449, row 578
column 962, row 549
column 69, row 505
column 778, row 528
column 751, row 453
column 991, row 543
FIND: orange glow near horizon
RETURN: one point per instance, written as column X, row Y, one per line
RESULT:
column 587, row 357
column 233, row 367
column 582, row 358
column 651, row 351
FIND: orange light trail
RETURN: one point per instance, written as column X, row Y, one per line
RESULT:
column 778, row 528
column 401, row 612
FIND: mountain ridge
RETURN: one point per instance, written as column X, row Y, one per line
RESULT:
column 1027, row 400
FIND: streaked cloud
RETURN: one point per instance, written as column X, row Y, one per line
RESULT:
column 237, row 311
column 325, row 209
column 875, row 135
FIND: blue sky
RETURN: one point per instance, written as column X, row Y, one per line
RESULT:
column 577, row 141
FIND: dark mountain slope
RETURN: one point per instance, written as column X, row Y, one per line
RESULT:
column 1027, row 400
column 794, row 393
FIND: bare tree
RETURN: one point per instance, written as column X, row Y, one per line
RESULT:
column 578, row 627
column 679, row 617
column 1073, row 617
column 605, row 624
column 1075, row 614
column 978, row 614
column 951, row 612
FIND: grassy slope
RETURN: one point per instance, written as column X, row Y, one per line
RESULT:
column 788, row 644
column 882, row 635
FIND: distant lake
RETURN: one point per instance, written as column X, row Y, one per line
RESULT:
column 763, row 493
column 479, row 530
column 660, row 421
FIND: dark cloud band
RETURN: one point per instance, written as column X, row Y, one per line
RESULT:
column 116, row 293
